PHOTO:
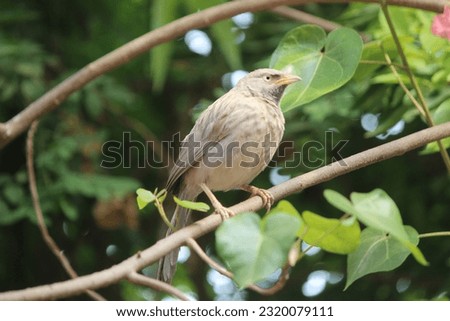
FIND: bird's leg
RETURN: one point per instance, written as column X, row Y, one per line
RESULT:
column 266, row 196
column 224, row 212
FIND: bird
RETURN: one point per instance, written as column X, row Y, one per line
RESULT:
column 231, row 142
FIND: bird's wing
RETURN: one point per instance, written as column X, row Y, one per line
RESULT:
column 210, row 128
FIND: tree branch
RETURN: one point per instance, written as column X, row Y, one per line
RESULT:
column 40, row 216
column 301, row 16
column 304, row 17
column 193, row 245
column 54, row 97
column 162, row 247
column 140, row 279
column 414, row 83
column 282, row 280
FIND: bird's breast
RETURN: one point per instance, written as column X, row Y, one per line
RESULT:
column 254, row 134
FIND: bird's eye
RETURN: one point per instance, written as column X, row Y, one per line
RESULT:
column 267, row 78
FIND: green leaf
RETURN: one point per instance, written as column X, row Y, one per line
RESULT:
column 162, row 12
column 282, row 228
column 441, row 115
column 253, row 248
column 69, row 209
column 222, row 33
column 141, row 204
column 390, row 79
column 13, row 193
column 374, row 52
column 339, row 201
column 324, row 63
column 285, row 207
column 433, row 147
column 377, row 252
column 377, row 210
column 196, row 206
column 98, row 186
column 8, row 217
column 331, row 235
column 144, row 197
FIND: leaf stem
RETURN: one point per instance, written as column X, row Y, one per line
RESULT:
column 402, row 84
column 162, row 212
column 434, row 234
column 427, row 114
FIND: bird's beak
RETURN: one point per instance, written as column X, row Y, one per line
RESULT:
column 287, row 80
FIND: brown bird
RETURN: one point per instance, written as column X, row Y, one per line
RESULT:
column 232, row 141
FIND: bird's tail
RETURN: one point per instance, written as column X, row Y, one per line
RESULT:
column 168, row 264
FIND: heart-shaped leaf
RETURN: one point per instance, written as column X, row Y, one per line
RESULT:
column 339, row 201
column 254, row 248
column 378, row 252
column 285, row 207
column 144, row 197
column 376, row 209
column 324, row 63
column 331, row 235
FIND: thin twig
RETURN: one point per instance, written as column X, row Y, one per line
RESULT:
column 54, row 97
column 282, row 280
column 427, row 114
column 40, row 217
column 193, row 245
column 164, row 246
column 157, row 285
column 162, row 213
column 418, row 106
column 434, row 234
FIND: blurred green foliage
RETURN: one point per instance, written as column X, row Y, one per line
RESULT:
column 91, row 210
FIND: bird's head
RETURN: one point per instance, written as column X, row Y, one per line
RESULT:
column 267, row 83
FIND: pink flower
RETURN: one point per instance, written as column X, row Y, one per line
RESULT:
column 441, row 24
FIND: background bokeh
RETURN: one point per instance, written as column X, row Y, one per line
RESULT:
column 90, row 206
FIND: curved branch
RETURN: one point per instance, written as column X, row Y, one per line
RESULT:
column 162, row 247
column 193, row 245
column 51, row 244
column 304, row 17
column 140, row 279
column 54, row 97
column 279, row 285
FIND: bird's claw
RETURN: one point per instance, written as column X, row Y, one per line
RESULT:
column 224, row 212
column 266, row 196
